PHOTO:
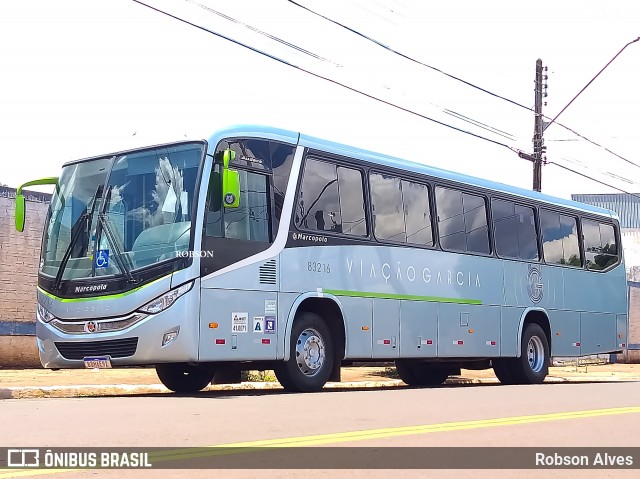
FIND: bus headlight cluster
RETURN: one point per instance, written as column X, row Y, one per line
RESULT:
column 161, row 303
column 44, row 315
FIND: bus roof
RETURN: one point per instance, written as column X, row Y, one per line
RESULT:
column 412, row 166
column 403, row 164
column 289, row 136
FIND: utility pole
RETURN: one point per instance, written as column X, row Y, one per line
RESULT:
column 538, row 127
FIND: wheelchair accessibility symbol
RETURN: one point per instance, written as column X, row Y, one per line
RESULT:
column 102, row 258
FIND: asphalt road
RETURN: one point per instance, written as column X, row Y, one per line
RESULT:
column 598, row 415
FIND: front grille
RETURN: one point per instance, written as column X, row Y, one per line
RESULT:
column 268, row 272
column 116, row 348
column 101, row 326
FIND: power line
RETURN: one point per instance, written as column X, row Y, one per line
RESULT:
column 280, row 60
column 407, row 57
column 446, row 111
column 317, row 75
column 595, row 143
column 268, row 35
column 601, row 172
column 591, row 81
column 590, row 178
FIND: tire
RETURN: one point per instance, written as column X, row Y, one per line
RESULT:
column 502, row 370
column 421, row 374
column 185, row 378
column 532, row 366
column 311, row 355
column 405, row 371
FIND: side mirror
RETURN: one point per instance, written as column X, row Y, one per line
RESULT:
column 21, row 209
column 230, row 181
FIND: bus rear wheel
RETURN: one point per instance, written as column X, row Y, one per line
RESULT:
column 311, row 355
column 421, row 374
column 532, row 366
column 184, row 377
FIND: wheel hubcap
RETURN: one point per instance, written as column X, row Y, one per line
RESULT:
column 535, row 354
column 310, row 352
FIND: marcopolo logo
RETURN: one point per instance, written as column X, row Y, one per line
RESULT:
column 93, row 288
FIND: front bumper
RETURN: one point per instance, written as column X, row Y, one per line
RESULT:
column 137, row 344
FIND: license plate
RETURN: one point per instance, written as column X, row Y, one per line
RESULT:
column 102, row 362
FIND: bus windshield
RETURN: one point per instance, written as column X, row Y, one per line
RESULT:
column 117, row 214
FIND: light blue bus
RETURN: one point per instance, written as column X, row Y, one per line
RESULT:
column 259, row 248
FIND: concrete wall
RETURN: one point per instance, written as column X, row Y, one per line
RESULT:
column 633, row 354
column 19, row 258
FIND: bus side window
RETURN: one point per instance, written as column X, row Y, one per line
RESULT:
column 213, row 212
column 462, row 221
column 560, row 238
column 600, row 248
column 331, row 199
column 388, row 212
column 401, row 210
column 251, row 220
column 515, row 230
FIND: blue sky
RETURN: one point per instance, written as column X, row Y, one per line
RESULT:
column 81, row 78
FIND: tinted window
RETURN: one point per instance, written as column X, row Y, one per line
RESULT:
column 281, row 161
column 267, row 155
column 351, row 201
column 462, row 221
column 401, row 210
column 318, row 205
column 388, row 214
column 515, row 230
column 250, row 221
column 600, row 248
column 331, row 199
column 417, row 214
column 560, row 238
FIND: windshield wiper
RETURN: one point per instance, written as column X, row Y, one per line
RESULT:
column 74, row 239
column 104, row 226
column 111, row 239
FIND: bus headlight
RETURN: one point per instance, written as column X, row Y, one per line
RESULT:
column 44, row 315
column 161, row 303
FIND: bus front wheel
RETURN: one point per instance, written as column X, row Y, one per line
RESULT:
column 184, row 377
column 311, row 355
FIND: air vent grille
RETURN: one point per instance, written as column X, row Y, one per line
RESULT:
column 268, row 272
column 116, row 348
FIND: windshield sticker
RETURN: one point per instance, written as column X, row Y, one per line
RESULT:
column 270, row 324
column 102, row 258
column 258, row 324
column 239, row 322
